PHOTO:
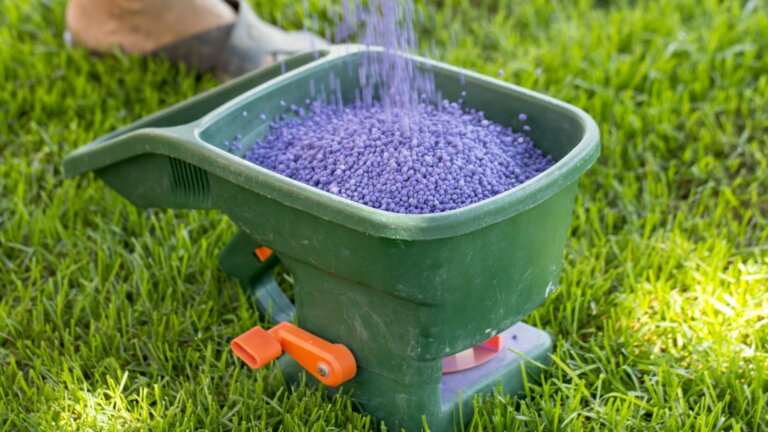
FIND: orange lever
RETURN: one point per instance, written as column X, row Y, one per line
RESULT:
column 332, row 364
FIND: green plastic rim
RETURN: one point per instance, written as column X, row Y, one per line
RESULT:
column 186, row 142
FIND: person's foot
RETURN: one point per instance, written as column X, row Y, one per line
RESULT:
column 142, row 26
column 224, row 36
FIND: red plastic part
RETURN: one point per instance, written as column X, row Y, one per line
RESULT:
column 472, row 357
column 493, row 344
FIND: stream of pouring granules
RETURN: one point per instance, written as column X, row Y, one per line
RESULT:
column 407, row 151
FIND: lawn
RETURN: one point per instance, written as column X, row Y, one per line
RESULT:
column 118, row 318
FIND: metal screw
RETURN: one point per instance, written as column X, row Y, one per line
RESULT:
column 322, row 370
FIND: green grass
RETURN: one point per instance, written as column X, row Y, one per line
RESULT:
column 113, row 317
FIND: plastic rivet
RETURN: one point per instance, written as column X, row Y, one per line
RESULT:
column 322, row 370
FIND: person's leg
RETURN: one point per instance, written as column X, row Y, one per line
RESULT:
column 223, row 36
column 142, row 26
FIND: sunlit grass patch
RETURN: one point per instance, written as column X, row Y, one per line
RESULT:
column 118, row 318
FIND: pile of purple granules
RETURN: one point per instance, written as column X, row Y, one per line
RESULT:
column 429, row 161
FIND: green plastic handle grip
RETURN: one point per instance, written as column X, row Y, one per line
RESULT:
column 134, row 160
column 152, row 164
column 256, row 278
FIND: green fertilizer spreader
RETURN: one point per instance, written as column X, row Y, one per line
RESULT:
column 412, row 313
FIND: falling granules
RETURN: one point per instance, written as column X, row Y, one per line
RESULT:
column 400, row 147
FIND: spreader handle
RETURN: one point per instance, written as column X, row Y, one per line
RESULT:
column 249, row 262
column 160, row 161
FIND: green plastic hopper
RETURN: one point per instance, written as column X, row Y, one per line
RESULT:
column 401, row 291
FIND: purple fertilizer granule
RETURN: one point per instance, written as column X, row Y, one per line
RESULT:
column 419, row 160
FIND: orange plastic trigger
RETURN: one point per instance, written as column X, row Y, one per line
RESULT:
column 332, row 364
column 256, row 347
column 262, row 253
